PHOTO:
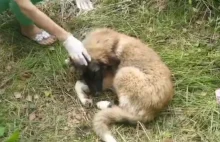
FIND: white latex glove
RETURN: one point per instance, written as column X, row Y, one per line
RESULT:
column 84, row 5
column 76, row 50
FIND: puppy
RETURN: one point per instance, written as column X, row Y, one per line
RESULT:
column 90, row 82
column 94, row 78
column 140, row 79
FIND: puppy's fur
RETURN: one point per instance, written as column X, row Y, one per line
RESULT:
column 141, row 80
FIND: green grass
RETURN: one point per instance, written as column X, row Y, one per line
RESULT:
column 189, row 46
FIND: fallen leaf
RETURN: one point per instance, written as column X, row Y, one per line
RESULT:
column 203, row 94
column 17, row 95
column 195, row 9
column 72, row 69
column 197, row 44
column 69, row 87
column 36, row 97
column 199, row 50
column 65, row 138
column 184, row 30
column 26, row 75
column 8, row 68
column 199, row 22
column 173, row 42
column 2, row 131
column 47, row 104
column 32, row 116
column 78, row 117
column 150, row 30
column 52, row 48
column 32, row 106
column 217, row 95
column 48, row 93
column 66, row 128
column 29, row 98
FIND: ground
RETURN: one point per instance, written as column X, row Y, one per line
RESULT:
column 37, row 97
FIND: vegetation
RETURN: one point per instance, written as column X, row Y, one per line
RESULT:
column 37, row 100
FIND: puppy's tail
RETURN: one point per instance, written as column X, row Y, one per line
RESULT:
column 105, row 117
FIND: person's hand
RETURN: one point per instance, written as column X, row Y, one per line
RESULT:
column 76, row 50
column 84, row 5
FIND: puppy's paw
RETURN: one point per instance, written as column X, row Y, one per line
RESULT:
column 87, row 102
column 85, row 88
column 103, row 104
column 109, row 138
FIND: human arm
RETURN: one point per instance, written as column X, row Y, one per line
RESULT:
column 73, row 46
column 41, row 19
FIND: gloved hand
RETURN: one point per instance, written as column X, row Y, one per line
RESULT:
column 76, row 50
column 84, row 5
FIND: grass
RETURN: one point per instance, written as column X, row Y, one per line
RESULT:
column 46, row 109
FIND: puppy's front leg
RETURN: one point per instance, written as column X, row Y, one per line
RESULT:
column 81, row 88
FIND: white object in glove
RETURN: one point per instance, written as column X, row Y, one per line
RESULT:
column 84, row 4
column 76, row 50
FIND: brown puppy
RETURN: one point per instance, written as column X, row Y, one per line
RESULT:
column 142, row 81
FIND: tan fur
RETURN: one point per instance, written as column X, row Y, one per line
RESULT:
column 142, row 82
column 108, row 80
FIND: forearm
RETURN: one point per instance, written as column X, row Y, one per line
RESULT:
column 41, row 19
column 73, row 46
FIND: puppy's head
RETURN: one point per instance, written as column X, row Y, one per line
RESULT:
column 92, row 74
column 102, row 45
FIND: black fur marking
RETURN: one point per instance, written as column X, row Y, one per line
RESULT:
column 93, row 76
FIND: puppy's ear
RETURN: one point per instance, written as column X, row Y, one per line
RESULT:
column 113, row 60
column 115, row 45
